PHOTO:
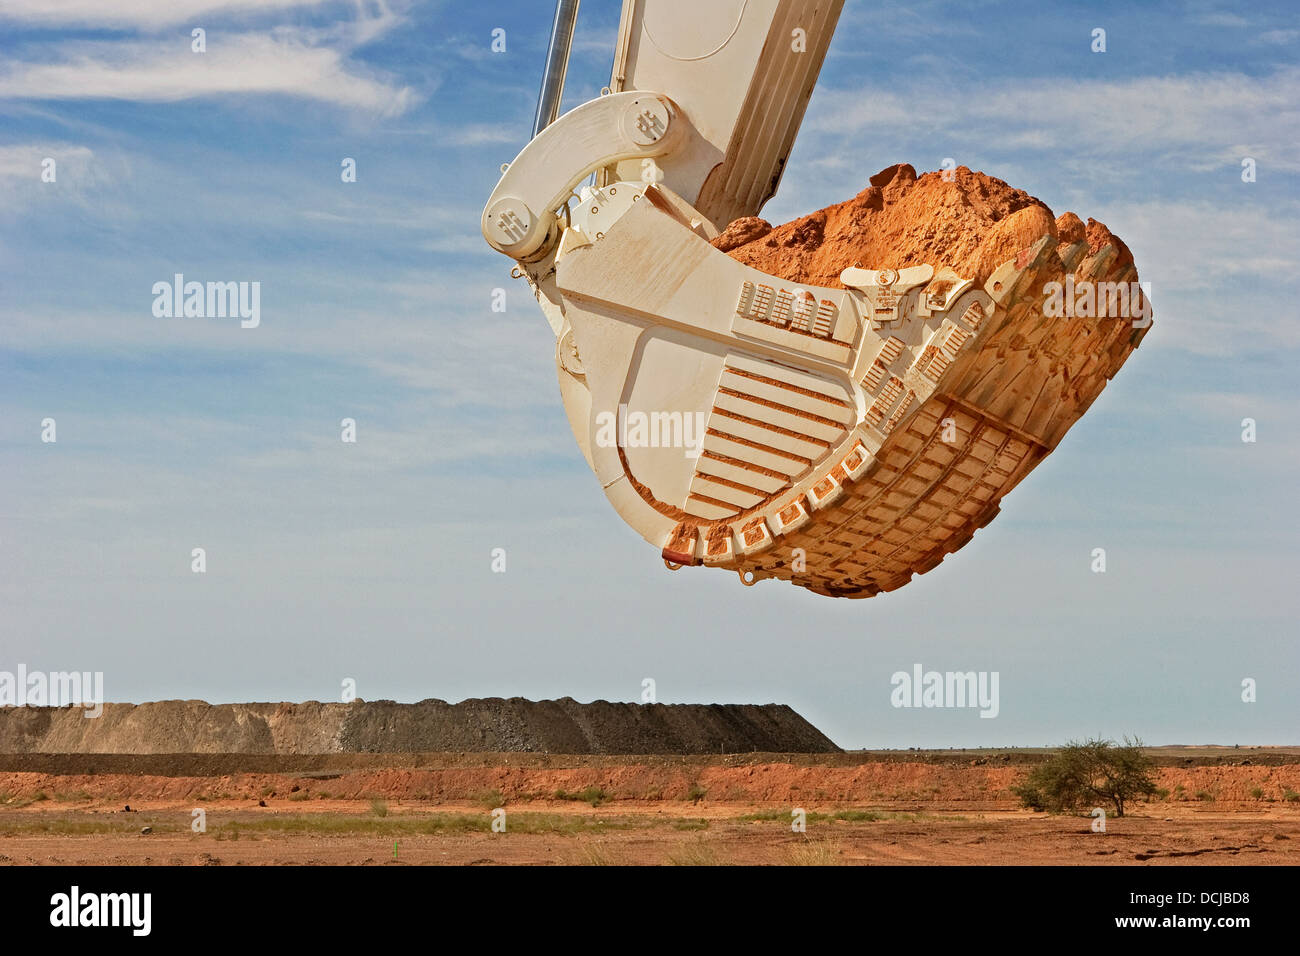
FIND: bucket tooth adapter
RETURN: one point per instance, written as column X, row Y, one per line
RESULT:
column 843, row 439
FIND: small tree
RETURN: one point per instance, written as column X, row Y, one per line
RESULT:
column 1084, row 772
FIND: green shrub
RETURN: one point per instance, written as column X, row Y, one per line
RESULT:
column 593, row 795
column 1083, row 773
column 490, row 798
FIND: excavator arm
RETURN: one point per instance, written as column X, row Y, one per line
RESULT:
column 743, row 72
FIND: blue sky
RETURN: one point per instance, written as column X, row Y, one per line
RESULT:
column 371, row 560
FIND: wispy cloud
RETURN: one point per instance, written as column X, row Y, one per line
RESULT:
column 1184, row 118
column 243, row 64
column 138, row 14
column 1221, row 272
column 1279, row 37
column 480, row 134
column 1201, row 244
column 310, row 61
column 22, row 162
column 1221, row 19
column 32, row 173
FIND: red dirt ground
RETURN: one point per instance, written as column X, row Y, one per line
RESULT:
column 861, row 808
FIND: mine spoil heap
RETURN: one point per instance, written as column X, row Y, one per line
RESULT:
column 562, row 726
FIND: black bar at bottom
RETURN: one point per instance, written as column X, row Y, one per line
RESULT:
column 327, row 904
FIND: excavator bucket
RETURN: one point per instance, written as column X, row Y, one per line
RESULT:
column 843, row 436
